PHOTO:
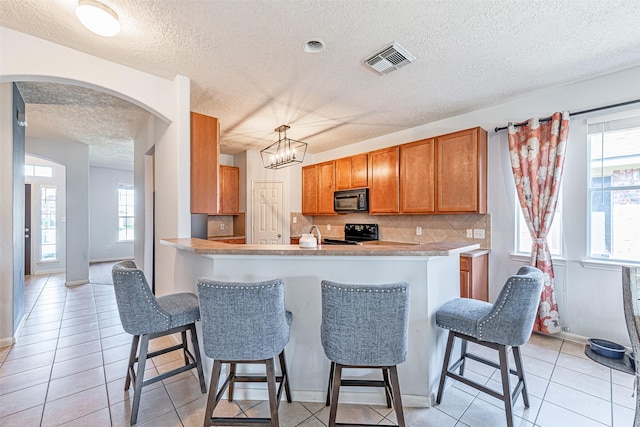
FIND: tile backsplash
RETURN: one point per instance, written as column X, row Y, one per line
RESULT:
column 402, row 228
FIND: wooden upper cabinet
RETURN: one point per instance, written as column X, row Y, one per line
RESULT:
column 310, row 190
column 384, row 186
column 229, row 190
column 326, row 187
column 352, row 172
column 318, row 185
column 417, row 177
column 205, row 152
column 461, row 172
column 343, row 173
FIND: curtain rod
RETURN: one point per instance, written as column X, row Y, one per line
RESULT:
column 577, row 113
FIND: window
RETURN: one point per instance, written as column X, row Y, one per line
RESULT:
column 125, row 213
column 48, row 229
column 39, row 171
column 554, row 238
column 614, row 188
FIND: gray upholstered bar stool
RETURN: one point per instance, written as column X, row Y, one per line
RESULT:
column 365, row 326
column 506, row 323
column 244, row 323
column 146, row 317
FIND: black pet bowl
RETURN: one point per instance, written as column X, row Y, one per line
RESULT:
column 607, row 348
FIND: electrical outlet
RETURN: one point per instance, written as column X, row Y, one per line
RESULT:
column 469, row 233
column 478, row 233
column 221, row 226
column 295, row 219
column 328, row 226
column 418, row 231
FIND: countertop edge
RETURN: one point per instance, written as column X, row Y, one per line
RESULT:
column 210, row 247
column 475, row 253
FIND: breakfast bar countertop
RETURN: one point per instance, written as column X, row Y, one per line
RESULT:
column 208, row 247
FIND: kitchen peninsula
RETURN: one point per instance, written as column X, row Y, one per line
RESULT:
column 432, row 271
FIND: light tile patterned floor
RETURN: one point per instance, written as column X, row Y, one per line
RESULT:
column 68, row 368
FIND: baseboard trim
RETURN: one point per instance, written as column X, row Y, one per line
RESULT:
column 76, row 283
column 6, row 342
column 43, row 272
column 572, row 337
column 95, row 261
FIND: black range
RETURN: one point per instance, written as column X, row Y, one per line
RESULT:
column 356, row 234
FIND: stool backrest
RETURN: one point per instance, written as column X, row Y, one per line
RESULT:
column 510, row 321
column 243, row 321
column 365, row 325
column 139, row 311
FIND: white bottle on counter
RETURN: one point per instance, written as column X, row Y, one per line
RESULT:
column 308, row 241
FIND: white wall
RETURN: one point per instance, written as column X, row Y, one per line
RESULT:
column 27, row 58
column 75, row 157
column 103, row 215
column 6, row 215
column 590, row 299
column 58, row 180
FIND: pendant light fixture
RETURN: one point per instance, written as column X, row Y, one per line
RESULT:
column 98, row 18
column 284, row 152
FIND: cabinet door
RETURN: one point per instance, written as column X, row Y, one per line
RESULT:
column 384, row 181
column 326, row 187
column 343, row 173
column 204, row 164
column 310, row 190
column 465, row 278
column 461, row 172
column 474, row 277
column 229, row 190
column 359, row 171
column 417, row 177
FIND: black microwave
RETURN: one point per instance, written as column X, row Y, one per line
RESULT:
column 351, row 200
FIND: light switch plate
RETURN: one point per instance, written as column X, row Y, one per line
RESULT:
column 295, row 219
column 418, row 231
column 221, row 226
column 469, row 233
column 478, row 233
column 328, row 226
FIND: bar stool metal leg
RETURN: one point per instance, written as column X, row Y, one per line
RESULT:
column 397, row 398
column 139, row 380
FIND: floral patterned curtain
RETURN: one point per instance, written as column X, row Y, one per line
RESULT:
column 537, row 152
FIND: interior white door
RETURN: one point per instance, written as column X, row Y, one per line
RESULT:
column 267, row 213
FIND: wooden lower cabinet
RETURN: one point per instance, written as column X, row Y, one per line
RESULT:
column 294, row 240
column 234, row 241
column 474, row 277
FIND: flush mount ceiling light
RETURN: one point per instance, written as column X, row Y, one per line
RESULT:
column 284, row 152
column 98, row 18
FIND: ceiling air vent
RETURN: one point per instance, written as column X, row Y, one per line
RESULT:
column 389, row 59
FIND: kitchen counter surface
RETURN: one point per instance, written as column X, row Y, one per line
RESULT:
column 211, row 247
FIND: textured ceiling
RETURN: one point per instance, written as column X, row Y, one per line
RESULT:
column 247, row 66
column 104, row 122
